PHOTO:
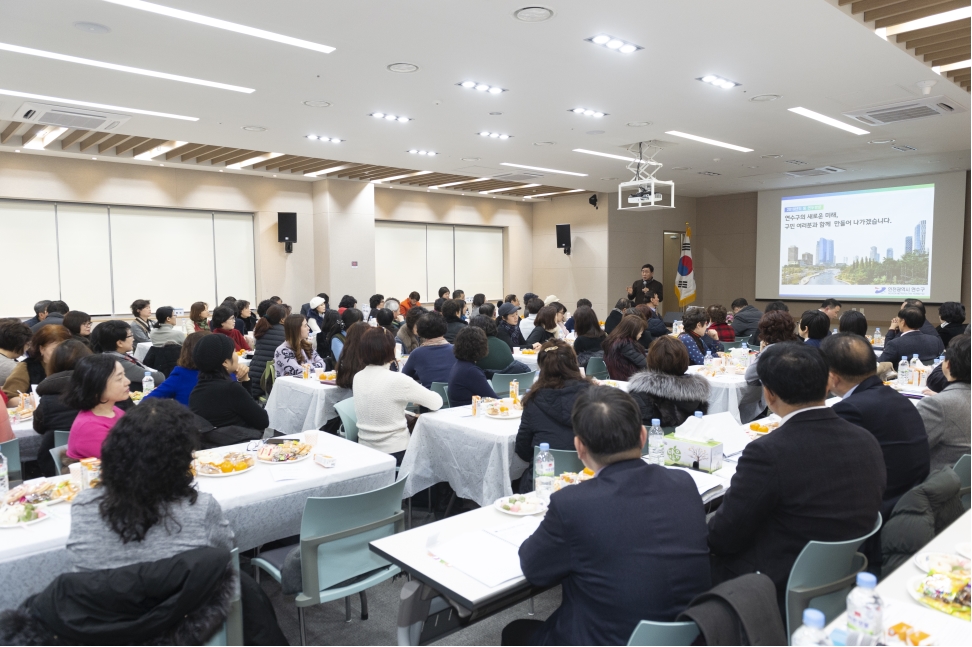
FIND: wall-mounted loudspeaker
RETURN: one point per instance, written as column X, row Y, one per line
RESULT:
column 563, row 238
column 287, row 230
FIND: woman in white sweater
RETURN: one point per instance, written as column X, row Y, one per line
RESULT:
column 381, row 395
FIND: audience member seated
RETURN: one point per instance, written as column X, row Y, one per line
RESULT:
column 40, row 313
column 225, row 403
column 946, row 414
column 511, row 298
column 433, row 360
column 349, row 366
column 910, row 339
column 656, row 324
column 499, row 359
column 199, row 316
column 561, row 318
column 508, row 326
column 831, row 308
column 141, row 328
column 305, row 309
column 269, row 334
column 745, row 319
column 890, row 417
column 52, row 414
column 624, row 546
column 183, row 378
column 224, row 323
column 55, row 315
column 164, row 329
column 775, row 327
column 614, row 317
column 623, row 355
column 533, row 307
column 816, row 477
column 33, row 369
column 569, row 324
column 245, row 319
column 451, row 310
column 381, row 395
column 347, row 302
column 407, row 334
column 13, row 340
column 466, row 378
column 664, row 391
column 814, row 326
column 385, row 319
column 589, row 335
column 952, row 316
column 335, row 337
column 149, row 452
column 926, row 328
column 697, row 340
column 718, row 315
column 290, row 357
column 79, row 323
column 115, row 338
column 853, row 321
column 545, row 328
column 98, row 384
column 548, row 404
column 315, row 315
column 375, row 303
column 414, row 300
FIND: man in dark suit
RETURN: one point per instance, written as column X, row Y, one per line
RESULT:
column 656, row 324
column 627, row 545
column 894, row 330
column 888, row 415
column 816, row 477
column 911, row 340
column 639, row 291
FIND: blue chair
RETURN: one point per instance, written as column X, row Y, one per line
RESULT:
column 734, row 344
column 664, row 633
column 442, row 388
column 963, row 467
column 335, row 561
column 11, row 450
column 501, row 382
column 596, row 368
column 822, row 576
column 565, row 460
column 61, row 438
column 349, row 419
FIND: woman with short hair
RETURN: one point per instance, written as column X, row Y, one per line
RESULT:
column 433, row 360
column 198, row 315
column 466, row 378
column 52, row 414
column 499, row 359
column 718, row 315
column 115, row 338
column 224, row 323
column 775, row 326
column 508, row 325
column 346, row 302
column 296, row 350
column 853, row 321
column 946, row 414
column 141, row 328
column 664, row 391
column 98, row 384
column 269, row 334
column 952, row 316
column 164, row 330
column 545, row 328
column 814, row 327
column 413, row 301
column 336, row 334
column 407, row 334
column 225, row 403
column 33, row 370
column 79, row 323
column 14, row 337
column 623, row 354
column 697, row 341
column 245, row 319
column 614, row 317
column 590, row 336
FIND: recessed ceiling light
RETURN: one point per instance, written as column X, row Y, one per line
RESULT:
column 752, row 167
column 612, row 43
column 220, row 170
column 594, row 132
column 587, row 112
column 17, row 49
column 161, row 164
column 881, row 141
column 638, row 124
column 482, row 87
column 533, row 14
column 903, row 148
column 402, row 68
column 608, row 179
column 222, row 24
column 626, row 158
column 255, row 129
column 320, row 138
column 414, row 151
column 761, row 98
column 317, row 104
column 540, row 168
column 92, row 28
column 470, row 159
column 824, row 119
column 706, row 140
column 387, row 117
column 771, row 157
column 680, row 168
column 544, row 143
column 718, row 81
column 18, row 150
column 492, row 135
column 73, row 102
column 510, row 188
column 94, row 158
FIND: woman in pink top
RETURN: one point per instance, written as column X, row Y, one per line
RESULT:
column 97, row 384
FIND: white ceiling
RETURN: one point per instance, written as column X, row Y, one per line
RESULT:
column 809, row 52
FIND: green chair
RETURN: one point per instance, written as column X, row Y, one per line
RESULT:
column 61, row 438
column 11, row 450
column 664, row 633
column 754, row 347
column 596, row 368
column 335, row 561
column 57, row 454
column 728, row 345
column 266, row 381
column 501, row 382
column 565, row 460
column 231, row 633
column 442, row 388
column 963, row 467
column 349, row 419
column 822, row 576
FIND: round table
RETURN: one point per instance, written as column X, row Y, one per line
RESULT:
column 730, row 392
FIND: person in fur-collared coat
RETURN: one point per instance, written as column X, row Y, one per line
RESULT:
column 664, row 391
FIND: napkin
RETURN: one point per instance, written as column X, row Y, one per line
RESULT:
column 717, row 427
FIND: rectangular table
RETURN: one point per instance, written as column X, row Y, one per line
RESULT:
column 259, row 508
column 296, row 404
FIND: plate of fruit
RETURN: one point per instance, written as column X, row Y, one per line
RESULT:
column 520, row 505
column 289, row 451
column 219, row 464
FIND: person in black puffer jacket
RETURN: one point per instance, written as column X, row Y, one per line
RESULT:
column 547, row 407
column 269, row 333
column 663, row 391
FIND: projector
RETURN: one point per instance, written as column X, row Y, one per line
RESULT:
column 644, row 197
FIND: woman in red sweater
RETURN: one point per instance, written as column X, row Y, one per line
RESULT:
column 718, row 316
column 224, row 323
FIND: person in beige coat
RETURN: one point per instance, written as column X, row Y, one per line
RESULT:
column 946, row 414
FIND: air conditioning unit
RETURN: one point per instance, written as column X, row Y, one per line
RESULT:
column 68, row 117
column 518, row 177
column 906, row 111
column 812, row 172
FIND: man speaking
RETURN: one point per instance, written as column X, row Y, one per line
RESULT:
column 640, row 290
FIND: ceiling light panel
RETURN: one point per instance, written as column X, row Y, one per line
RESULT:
column 510, row 188
column 544, row 195
column 614, row 44
column 45, row 139
column 161, row 149
column 540, row 168
column 930, row 21
column 492, row 135
column 222, row 24
column 88, row 104
column 400, row 177
column 624, row 158
column 253, row 160
column 17, row 49
column 442, row 186
column 415, row 151
column 718, row 81
column 481, row 87
column 323, row 138
column 824, row 119
column 388, row 117
column 706, row 140
column 588, row 112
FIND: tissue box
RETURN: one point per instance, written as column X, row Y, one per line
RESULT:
column 698, row 454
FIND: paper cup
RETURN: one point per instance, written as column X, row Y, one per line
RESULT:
column 75, row 474
column 310, row 436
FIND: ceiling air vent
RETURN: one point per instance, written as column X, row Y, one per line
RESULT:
column 903, row 148
column 796, row 162
column 812, row 172
column 710, row 173
column 518, row 177
column 906, row 111
column 51, row 115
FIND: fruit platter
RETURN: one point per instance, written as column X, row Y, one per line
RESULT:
column 214, row 463
column 42, row 492
column 289, row 451
column 520, row 505
column 21, row 514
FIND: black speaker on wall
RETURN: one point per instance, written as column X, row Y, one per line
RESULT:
column 287, row 230
column 563, row 238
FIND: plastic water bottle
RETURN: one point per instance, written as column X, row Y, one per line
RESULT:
column 811, row 632
column 543, row 472
column 698, row 414
column 864, row 607
column 148, row 383
column 707, row 362
column 913, row 376
column 834, row 332
column 656, row 443
column 877, row 336
column 904, row 371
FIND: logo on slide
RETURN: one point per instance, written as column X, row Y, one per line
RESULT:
column 880, row 290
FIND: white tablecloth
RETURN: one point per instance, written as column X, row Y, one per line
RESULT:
column 259, row 508
column 296, row 404
column 731, row 393
column 529, row 360
column 29, row 439
column 475, row 455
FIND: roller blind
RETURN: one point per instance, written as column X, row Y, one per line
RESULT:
column 29, row 253
column 399, row 259
column 440, row 259
column 234, row 245
column 84, row 252
column 479, row 261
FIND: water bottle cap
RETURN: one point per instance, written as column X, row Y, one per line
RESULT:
column 544, row 447
column 814, row 618
column 656, row 422
column 866, row 580
column 915, row 356
column 904, row 357
column 698, row 414
column 148, row 372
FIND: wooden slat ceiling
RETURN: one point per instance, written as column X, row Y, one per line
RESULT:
column 191, row 154
column 939, row 45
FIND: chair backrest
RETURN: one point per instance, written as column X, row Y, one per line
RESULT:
column 734, row 344
column 57, row 453
column 442, row 388
column 11, row 450
column 565, row 460
column 963, row 467
column 822, row 576
column 335, row 532
column 596, row 366
column 61, row 438
column 349, row 418
column 268, row 377
column 231, row 631
column 501, row 382
column 664, row 633
column 754, row 347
